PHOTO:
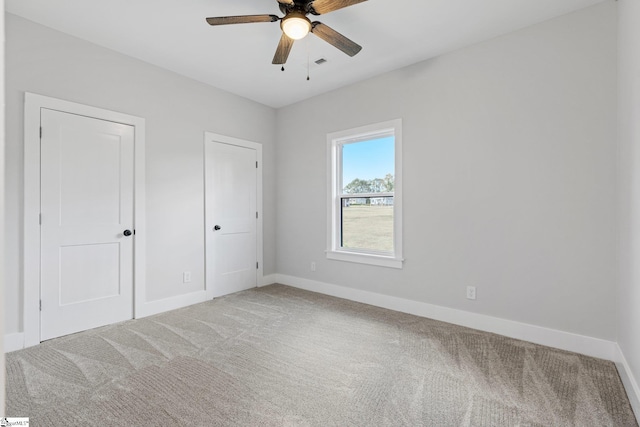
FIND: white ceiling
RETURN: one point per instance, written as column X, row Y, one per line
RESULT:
column 173, row 34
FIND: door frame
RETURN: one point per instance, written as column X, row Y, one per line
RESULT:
column 210, row 137
column 31, row 219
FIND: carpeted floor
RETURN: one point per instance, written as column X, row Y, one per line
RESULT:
column 278, row 356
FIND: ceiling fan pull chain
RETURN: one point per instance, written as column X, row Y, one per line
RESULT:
column 308, row 60
column 282, row 69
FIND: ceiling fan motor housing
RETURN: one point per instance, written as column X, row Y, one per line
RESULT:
column 303, row 6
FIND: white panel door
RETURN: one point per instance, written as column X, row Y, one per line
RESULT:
column 87, row 223
column 231, row 194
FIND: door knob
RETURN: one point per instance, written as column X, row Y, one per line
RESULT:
column 216, row 228
column 127, row 232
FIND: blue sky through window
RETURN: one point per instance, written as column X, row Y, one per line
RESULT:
column 368, row 159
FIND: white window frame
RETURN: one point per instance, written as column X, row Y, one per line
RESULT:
column 335, row 141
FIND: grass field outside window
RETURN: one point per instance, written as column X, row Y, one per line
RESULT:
column 367, row 227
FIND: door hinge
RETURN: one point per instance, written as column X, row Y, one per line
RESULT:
column 40, row 219
column 256, row 215
column 40, row 305
column 40, row 132
column 256, row 265
column 256, row 165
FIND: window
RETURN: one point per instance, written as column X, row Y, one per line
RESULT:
column 365, row 195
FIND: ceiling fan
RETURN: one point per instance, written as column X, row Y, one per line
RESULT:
column 295, row 24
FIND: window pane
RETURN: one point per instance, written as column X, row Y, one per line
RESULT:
column 368, row 166
column 367, row 223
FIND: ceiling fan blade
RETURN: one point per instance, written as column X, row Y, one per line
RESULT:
column 336, row 39
column 246, row 19
column 282, row 52
column 326, row 6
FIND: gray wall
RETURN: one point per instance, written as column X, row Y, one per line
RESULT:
column 629, row 137
column 509, row 176
column 2, row 210
column 510, row 168
column 177, row 111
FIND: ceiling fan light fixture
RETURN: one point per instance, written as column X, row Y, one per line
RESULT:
column 296, row 26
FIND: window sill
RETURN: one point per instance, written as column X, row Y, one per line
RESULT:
column 379, row 260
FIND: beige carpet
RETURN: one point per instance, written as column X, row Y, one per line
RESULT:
column 279, row 356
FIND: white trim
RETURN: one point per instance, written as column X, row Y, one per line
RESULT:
column 335, row 140
column 31, row 251
column 172, row 303
column 269, row 279
column 364, row 258
column 214, row 137
column 628, row 380
column 589, row 346
column 13, row 342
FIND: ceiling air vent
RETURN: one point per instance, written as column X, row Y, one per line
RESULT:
column 320, row 61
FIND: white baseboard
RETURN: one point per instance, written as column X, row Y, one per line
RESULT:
column 172, row 303
column 589, row 346
column 269, row 279
column 13, row 342
column 629, row 381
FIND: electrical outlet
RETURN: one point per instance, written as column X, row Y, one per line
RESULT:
column 186, row 277
column 313, row 266
column 471, row 292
